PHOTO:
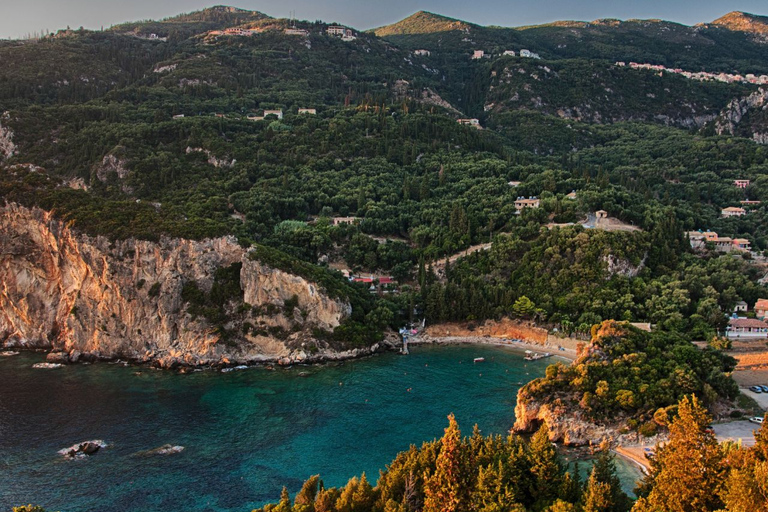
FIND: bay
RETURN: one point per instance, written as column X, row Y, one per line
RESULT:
column 246, row 433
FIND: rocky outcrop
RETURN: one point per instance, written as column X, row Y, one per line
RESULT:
column 7, row 147
column 87, row 298
column 219, row 163
column 566, row 423
column 730, row 119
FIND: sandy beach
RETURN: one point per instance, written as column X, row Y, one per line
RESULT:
column 635, row 454
column 567, row 353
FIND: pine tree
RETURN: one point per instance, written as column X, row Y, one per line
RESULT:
column 446, row 489
column 603, row 492
column 546, row 468
column 687, row 472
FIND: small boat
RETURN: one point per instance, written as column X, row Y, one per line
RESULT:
column 479, row 359
column 535, row 356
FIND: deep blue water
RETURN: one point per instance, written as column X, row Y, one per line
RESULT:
column 245, row 433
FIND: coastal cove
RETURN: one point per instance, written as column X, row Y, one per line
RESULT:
column 245, row 433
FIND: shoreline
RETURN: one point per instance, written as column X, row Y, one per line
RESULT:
column 518, row 346
column 634, row 454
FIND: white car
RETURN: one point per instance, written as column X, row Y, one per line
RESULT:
column 756, row 419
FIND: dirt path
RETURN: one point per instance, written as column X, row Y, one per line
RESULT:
column 439, row 265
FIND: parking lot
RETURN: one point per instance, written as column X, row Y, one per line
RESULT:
column 736, row 430
column 760, row 398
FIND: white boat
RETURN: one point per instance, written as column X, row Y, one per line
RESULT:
column 479, row 359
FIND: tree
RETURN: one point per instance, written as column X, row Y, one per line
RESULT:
column 687, row 472
column 446, row 490
column 524, row 307
column 603, row 492
column 546, row 468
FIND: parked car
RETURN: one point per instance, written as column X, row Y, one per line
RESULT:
column 756, row 389
column 756, row 419
column 764, row 388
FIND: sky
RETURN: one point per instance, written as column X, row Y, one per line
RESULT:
column 19, row 18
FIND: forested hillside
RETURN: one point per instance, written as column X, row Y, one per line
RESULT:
column 154, row 129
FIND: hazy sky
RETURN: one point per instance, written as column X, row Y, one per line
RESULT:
column 18, row 18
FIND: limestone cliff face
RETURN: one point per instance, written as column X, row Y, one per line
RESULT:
column 89, row 297
column 740, row 112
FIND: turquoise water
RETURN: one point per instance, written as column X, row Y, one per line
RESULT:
column 245, row 433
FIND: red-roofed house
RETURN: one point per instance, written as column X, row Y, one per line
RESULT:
column 747, row 328
column 761, row 308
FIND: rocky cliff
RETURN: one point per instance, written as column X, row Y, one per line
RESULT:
column 746, row 117
column 568, row 425
column 86, row 297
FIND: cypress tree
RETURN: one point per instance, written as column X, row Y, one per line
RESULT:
column 446, row 489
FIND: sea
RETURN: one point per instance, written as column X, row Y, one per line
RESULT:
column 245, row 433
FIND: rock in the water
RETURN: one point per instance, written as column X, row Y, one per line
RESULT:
column 82, row 450
column 57, row 357
column 46, row 366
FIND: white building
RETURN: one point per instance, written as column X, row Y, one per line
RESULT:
column 529, row 54
column 479, row 54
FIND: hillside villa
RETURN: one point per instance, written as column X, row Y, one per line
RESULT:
column 336, row 221
column 761, row 308
column 733, row 211
column 746, row 328
column 741, row 183
column 470, row 122
column 522, row 203
column 346, row 34
column 699, row 239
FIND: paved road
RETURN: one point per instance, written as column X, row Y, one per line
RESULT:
column 736, row 430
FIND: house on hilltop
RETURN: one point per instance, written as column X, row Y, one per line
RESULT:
column 741, row 183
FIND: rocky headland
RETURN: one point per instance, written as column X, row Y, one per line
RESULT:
column 87, row 298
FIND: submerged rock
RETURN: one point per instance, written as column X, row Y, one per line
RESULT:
column 47, row 366
column 166, row 449
column 82, row 450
